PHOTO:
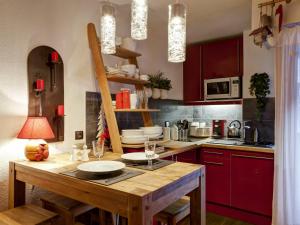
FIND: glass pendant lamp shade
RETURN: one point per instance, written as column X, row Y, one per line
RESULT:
column 177, row 33
column 108, row 30
column 139, row 19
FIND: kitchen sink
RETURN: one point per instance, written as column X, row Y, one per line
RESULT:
column 240, row 143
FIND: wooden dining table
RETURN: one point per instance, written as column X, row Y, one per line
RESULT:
column 138, row 198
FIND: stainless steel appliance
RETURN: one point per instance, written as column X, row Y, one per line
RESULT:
column 234, row 129
column 222, row 88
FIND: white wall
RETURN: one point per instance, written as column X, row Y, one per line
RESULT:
column 259, row 60
column 256, row 60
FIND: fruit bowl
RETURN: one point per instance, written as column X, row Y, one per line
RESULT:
column 37, row 152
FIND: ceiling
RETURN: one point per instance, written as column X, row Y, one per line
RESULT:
column 206, row 19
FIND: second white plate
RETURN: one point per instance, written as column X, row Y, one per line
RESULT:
column 101, row 167
column 137, row 156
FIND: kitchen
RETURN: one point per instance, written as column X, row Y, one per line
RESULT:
column 239, row 183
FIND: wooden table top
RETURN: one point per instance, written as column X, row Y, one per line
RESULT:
column 141, row 185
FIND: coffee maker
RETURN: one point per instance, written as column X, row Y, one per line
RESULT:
column 218, row 128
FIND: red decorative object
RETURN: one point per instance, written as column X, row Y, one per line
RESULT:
column 126, row 99
column 40, row 85
column 36, row 128
column 119, row 100
column 279, row 11
column 60, row 110
column 54, row 57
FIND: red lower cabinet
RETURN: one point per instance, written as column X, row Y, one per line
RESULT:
column 252, row 181
column 217, row 175
column 188, row 157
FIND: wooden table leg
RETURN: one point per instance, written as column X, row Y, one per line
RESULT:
column 16, row 195
column 198, row 205
column 139, row 211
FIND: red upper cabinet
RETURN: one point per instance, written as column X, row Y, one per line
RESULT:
column 223, row 58
column 192, row 81
column 252, row 181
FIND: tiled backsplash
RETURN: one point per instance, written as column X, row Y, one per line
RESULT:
column 173, row 110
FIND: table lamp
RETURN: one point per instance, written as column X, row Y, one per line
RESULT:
column 36, row 129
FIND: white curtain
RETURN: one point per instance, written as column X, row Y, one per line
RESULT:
column 286, row 201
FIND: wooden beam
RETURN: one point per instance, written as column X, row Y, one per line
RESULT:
column 104, row 90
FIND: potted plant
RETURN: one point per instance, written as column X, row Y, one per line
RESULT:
column 260, row 88
column 154, row 84
column 165, row 86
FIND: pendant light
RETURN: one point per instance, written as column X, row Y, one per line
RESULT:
column 177, row 33
column 108, row 29
column 139, row 19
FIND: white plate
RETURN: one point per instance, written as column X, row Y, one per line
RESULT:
column 137, row 156
column 152, row 130
column 134, row 139
column 101, row 167
column 132, row 132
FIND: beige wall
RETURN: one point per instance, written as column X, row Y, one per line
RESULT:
column 60, row 24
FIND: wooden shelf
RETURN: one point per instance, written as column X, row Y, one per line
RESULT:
column 125, row 53
column 136, row 110
column 126, row 80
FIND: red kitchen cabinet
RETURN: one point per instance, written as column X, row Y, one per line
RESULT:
column 222, row 58
column 217, row 164
column 188, row 157
column 252, row 181
column 192, row 79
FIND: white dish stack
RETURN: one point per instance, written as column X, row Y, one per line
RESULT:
column 140, row 136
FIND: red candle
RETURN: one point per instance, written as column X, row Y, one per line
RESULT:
column 54, row 57
column 119, row 100
column 60, row 110
column 40, row 85
column 126, row 99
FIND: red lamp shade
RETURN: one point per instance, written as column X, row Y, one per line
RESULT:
column 36, row 128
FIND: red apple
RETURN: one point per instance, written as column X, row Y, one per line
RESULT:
column 38, row 157
column 46, row 154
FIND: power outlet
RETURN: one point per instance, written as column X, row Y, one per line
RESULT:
column 79, row 135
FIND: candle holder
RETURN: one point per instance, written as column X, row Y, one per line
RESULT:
column 53, row 61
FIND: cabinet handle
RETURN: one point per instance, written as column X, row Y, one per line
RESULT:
column 251, row 157
column 215, row 153
column 214, row 163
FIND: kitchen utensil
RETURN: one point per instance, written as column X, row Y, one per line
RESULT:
column 101, row 167
column 234, row 129
column 134, row 139
column 132, row 132
column 137, row 156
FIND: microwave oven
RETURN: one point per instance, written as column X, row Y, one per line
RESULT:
column 222, row 88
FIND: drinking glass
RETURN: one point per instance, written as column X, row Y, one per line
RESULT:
column 150, row 152
column 98, row 149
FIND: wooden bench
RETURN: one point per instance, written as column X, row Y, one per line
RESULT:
column 175, row 212
column 68, row 209
column 27, row 215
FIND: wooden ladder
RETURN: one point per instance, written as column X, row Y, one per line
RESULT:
column 103, row 79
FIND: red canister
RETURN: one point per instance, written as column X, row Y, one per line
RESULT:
column 126, row 99
column 119, row 100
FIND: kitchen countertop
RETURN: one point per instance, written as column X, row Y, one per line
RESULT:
column 176, row 147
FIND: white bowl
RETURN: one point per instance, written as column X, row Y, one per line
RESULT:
column 129, row 68
column 152, row 130
column 134, row 139
column 132, row 132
